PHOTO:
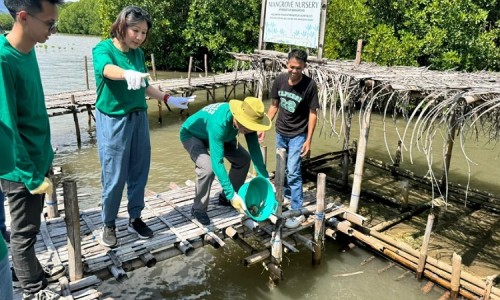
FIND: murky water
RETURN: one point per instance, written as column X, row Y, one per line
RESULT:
column 218, row 274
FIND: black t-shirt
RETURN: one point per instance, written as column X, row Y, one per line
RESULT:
column 294, row 104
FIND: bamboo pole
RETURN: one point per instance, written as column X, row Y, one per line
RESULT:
column 322, row 27
column 86, row 73
column 189, row 70
column 425, row 246
column 360, row 161
column 345, row 162
column 75, row 119
column 72, row 220
column 398, row 219
column 262, row 45
column 450, row 140
column 456, row 263
column 205, row 59
column 319, row 223
column 51, row 201
column 359, row 51
column 153, row 65
column 279, row 178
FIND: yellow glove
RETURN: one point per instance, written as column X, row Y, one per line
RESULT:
column 45, row 188
column 239, row 204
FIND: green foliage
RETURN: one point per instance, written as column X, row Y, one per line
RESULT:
column 215, row 27
column 6, row 22
column 442, row 34
column 79, row 18
column 346, row 22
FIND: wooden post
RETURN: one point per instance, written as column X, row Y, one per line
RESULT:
column 405, row 186
column 360, row 161
column 86, row 73
column 279, row 181
column 206, row 65
column 450, row 140
column 425, row 245
column 261, row 80
column 279, row 177
column 322, row 27
column 91, row 116
column 72, row 220
column 319, row 223
column 262, row 45
column 359, row 51
column 153, row 64
column 189, row 70
column 77, row 125
column 51, row 201
column 456, row 263
column 345, row 162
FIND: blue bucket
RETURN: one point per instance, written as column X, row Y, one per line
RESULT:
column 259, row 197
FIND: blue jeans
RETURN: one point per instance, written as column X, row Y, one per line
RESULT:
column 3, row 228
column 125, row 154
column 5, row 278
column 293, row 182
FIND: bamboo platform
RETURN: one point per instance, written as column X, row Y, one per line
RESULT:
column 84, row 100
column 167, row 214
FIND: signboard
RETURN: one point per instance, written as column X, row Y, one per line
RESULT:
column 293, row 22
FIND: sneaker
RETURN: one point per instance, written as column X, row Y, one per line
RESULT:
column 52, row 274
column 6, row 235
column 42, row 295
column 294, row 222
column 223, row 200
column 286, row 202
column 108, row 236
column 202, row 217
column 138, row 226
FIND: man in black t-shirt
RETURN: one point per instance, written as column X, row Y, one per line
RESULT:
column 295, row 100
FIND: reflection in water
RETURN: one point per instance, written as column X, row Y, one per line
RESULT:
column 219, row 274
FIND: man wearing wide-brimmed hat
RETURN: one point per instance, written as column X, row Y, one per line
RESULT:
column 210, row 135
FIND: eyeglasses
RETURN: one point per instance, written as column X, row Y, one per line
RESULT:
column 52, row 25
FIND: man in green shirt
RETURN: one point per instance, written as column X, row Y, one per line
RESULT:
column 24, row 113
column 210, row 135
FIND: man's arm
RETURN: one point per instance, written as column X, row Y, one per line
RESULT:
column 306, row 148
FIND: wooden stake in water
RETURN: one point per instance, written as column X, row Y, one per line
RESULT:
column 319, row 223
column 425, row 246
column 86, row 73
column 189, row 70
column 456, row 263
column 75, row 119
column 206, row 65
column 153, row 65
column 72, row 220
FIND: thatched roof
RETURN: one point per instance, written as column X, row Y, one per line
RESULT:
column 467, row 104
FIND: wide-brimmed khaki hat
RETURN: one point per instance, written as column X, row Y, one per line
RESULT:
column 250, row 113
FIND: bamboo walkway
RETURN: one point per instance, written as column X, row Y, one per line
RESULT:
column 84, row 100
column 167, row 214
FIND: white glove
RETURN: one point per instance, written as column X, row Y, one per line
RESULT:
column 135, row 80
column 238, row 203
column 180, row 102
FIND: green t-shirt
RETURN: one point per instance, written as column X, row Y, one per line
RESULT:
column 113, row 97
column 23, row 111
column 214, row 125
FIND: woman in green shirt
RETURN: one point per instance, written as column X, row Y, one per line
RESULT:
column 122, row 122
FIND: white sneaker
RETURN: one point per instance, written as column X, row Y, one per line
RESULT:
column 43, row 295
column 294, row 222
